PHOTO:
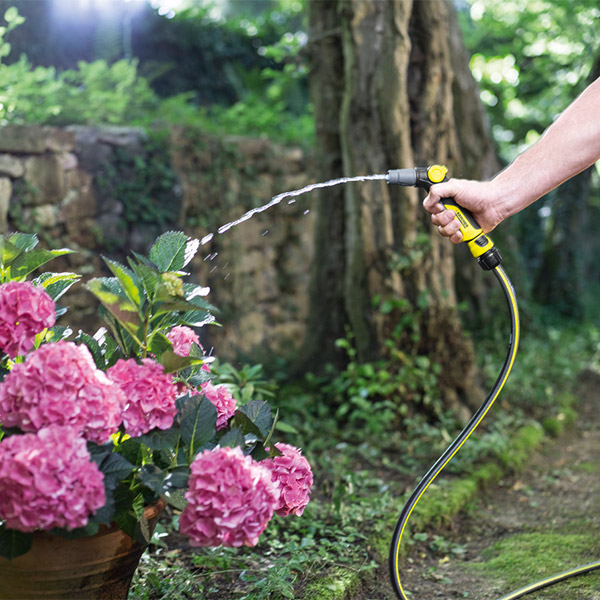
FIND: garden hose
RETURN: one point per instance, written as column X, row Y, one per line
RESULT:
column 489, row 258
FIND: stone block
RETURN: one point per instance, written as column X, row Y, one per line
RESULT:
column 59, row 139
column 5, row 192
column 22, row 139
column 11, row 165
column 44, row 177
column 46, row 215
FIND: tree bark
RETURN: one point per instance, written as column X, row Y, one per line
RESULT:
column 399, row 76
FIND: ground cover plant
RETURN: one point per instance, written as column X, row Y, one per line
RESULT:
column 362, row 478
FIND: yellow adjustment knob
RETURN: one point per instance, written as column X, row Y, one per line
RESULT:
column 436, row 173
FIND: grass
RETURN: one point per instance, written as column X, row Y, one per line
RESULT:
column 532, row 556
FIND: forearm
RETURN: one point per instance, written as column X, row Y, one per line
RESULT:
column 569, row 145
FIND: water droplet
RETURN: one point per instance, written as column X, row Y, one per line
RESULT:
column 207, row 239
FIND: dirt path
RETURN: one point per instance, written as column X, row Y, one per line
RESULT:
column 543, row 521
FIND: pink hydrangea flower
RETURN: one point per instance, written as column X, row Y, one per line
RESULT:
column 150, row 394
column 182, row 338
column 224, row 402
column 59, row 384
column 25, row 311
column 293, row 473
column 230, row 499
column 48, row 480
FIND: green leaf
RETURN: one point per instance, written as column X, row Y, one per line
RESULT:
column 123, row 310
column 114, row 466
column 152, row 477
column 197, row 418
column 27, row 262
column 160, row 439
column 176, row 499
column 8, row 252
column 24, row 241
column 94, row 347
column 246, row 425
column 172, row 362
column 173, row 305
column 56, row 284
column 14, row 543
column 234, row 438
column 286, row 427
column 128, row 279
column 173, row 250
column 148, row 276
column 260, row 415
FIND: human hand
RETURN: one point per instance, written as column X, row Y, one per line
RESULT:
column 480, row 198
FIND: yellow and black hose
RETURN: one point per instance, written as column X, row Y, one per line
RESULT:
column 449, row 453
column 489, row 258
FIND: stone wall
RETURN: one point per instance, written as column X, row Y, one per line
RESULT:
column 106, row 191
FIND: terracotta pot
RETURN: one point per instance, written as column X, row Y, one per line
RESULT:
column 98, row 567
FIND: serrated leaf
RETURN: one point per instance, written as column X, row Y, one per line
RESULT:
column 24, row 241
column 128, row 279
column 14, row 543
column 259, row 413
column 246, row 425
column 197, row 318
column 160, row 439
column 114, row 466
column 27, row 262
column 8, row 252
column 148, row 276
column 234, row 438
column 56, row 284
column 197, row 417
column 123, row 310
column 173, row 250
column 152, row 477
column 94, row 347
column 176, row 499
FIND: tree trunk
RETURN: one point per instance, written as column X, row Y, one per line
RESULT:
column 406, row 97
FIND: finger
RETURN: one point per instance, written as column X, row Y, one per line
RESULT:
column 450, row 229
column 444, row 218
column 432, row 206
column 457, row 237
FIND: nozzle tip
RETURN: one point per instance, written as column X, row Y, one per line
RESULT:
column 402, row 176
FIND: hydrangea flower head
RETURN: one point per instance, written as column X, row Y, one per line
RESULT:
column 231, row 499
column 48, row 480
column 59, row 384
column 223, row 400
column 25, row 311
column 293, row 473
column 182, row 338
column 150, row 394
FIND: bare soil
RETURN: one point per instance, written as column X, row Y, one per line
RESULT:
column 558, row 492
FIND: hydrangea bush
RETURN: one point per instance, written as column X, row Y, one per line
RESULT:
column 93, row 428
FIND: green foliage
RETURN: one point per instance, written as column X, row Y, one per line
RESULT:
column 95, row 93
column 377, row 395
column 272, row 100
column 246, row 383
column 530, row 61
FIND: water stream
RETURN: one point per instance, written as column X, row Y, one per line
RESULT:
column 277, row 199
